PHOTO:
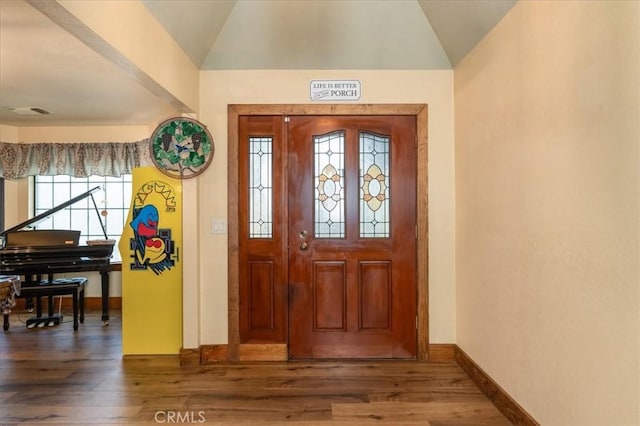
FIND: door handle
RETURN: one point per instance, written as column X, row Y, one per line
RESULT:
column 304, row 246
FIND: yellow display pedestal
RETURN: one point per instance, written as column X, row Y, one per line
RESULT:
column 150, row 247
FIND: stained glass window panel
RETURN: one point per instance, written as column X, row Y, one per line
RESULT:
column 375, row 192
column 260, row 187
column 329, row 185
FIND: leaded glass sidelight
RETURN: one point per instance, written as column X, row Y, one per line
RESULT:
column 260, row 187
column 329, row 185
column 374, row 185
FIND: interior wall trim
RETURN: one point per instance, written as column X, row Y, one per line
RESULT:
column 211, row 354
column 190, row 357
column 498, row 396
column 442, row 352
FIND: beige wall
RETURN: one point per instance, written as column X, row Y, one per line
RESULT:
column 85, row 134
column 547, row 113
column 220, row 88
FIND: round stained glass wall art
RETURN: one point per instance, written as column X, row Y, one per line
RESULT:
column 181, row 147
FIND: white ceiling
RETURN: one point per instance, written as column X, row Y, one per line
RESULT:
column 43, row 65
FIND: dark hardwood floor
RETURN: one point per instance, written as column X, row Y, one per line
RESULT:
column 58, row 376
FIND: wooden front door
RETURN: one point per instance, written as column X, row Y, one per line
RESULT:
column 351, row 190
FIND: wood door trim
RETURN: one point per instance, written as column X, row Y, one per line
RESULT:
column 422, row 279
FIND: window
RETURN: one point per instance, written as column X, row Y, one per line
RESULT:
column 375, row 171
column 112, row 201
column 260, row 187
column 329, row 157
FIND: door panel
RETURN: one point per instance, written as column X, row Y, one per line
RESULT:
column 262, row 262
column 329, row 296
column 262, row 291
column 375, row 295
column 352, row 236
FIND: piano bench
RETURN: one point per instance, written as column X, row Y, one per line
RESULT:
column 57, row 287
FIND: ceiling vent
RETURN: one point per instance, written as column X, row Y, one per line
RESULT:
column 29, row 111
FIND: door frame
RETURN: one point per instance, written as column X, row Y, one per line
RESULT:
column 238, row 352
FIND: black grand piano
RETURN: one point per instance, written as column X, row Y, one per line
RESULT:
column 35, row 254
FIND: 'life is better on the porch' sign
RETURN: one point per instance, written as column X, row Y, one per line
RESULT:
column 335, row 90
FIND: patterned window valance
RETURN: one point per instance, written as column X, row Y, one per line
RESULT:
column 18, row 160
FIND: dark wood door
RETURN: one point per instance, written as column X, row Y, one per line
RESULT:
column 352, row 236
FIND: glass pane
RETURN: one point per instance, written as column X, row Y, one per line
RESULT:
column 60, row 178
column 113, row 203
column 329, row 185
column 78, row 188
column 61, row 192
column 44, row 197
column 374, row 186
column 114, row 219
column 260, row 187
column 78, row 219
column 61, row 220
column 114, row 195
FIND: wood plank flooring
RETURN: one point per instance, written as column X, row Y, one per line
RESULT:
column 58, row 376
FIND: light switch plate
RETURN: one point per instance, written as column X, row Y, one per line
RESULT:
column 218, row 226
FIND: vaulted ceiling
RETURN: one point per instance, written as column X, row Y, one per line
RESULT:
column 44, row 65
column 333, row 34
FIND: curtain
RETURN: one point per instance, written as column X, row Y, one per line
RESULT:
column 18, row 160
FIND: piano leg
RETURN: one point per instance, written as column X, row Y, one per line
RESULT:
column 81, row 303
column 104, row 275
column 38, row 306
column 50, row 305
column 75, row 309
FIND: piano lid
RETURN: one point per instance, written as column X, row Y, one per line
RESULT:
column 42, row 238
column 34, row 220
